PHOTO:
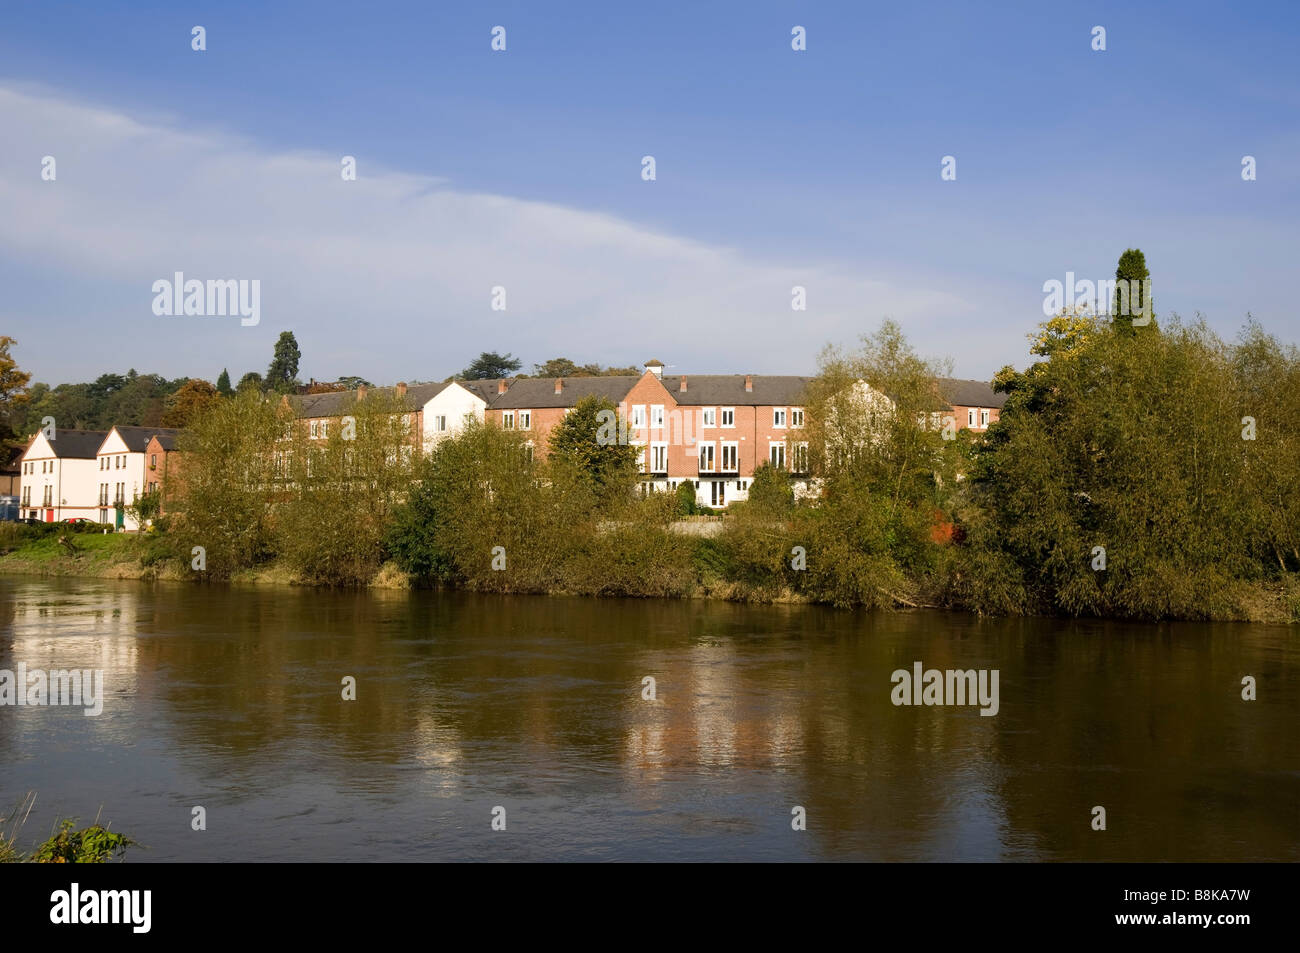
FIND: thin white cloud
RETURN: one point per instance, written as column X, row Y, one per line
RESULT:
column 391, row 273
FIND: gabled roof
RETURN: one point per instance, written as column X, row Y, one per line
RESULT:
column 337, row 403
column 777, row 390
column 967, row 393
column 539, row 392
column 74, row 444
column 137, row 438
column 485, row 390
column 167, row 439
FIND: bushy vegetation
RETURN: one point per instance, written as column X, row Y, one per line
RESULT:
column 1167, row 451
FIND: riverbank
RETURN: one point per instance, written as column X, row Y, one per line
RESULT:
column 146, row 558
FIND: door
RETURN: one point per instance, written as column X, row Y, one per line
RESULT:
column 49, row 516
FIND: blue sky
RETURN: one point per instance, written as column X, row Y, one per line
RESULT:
column 522, row 169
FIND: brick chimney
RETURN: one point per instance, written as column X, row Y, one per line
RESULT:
column 559, row 384
column 749, row 383
column 361, row 392
column 683, row 390
column 501, row 386
column 401, row 388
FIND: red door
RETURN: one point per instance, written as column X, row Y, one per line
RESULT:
column 49, row 516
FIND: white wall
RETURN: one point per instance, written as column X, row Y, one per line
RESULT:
column 70, row 479
column 455, row 403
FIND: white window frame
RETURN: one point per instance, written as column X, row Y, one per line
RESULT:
column 324, row 429
column 657, row 448
column 734, row 447
column 728, row 418
column 439, row 423
column 984, row 419
column 525, row 420
column 709, row 417
column 507, row 420
column 656, row 416
column 314, row 429
column 772, row 454
column 796, row 416
column 707, row 455
column 638, row 416
column 970, row 416
column 779, row 417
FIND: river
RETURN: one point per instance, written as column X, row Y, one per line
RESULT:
column 230, row 699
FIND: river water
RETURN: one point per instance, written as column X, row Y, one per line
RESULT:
column 231, row 699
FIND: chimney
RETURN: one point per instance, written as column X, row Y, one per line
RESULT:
column 401, row 388
column 683, row 390
column 559, row 384
column 501, row 386
column 749, row 383
column 361, row 392
column 655, row 367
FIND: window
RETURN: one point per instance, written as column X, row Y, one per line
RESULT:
column 324, row 429
column 27, row 496
column 718, row 494
column 796, row 416
column 525, row 420
column 970, row 418
column 528, row 451
column 799, row 458
column 706, row 457
column 638, row 416
column 440, row 423
column 984, row 418
column 640, row 457
column 730, row 454
column 508, row 420
column 315, row 429
column 49, row 496
column 728, row 416
column 153, row 460
column 776, row 453
column 406, row 422
column 778, row 417
column 659, row 458
column 153, row 486
column 710, row 417
column 656, row 415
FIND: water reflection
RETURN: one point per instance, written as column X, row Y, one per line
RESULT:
column 231, row 698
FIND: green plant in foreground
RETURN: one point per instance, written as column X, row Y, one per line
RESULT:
column 91, row 845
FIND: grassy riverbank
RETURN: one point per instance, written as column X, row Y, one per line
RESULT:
column 705, row 571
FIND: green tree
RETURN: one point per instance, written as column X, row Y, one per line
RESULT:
column 282, row 375
column 223, row 384
column 1132, row 270
column 490, row 365
column 252, row 381
column 587, row 443
column 13, row 387
column 181, row 406
column 770, row 491
column 341, row 492
column 232, row 475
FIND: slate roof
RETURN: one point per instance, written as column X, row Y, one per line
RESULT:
column 167, row 438
column 137, row 438
column 77, row 444
column 534, row 393
column 777, row 390
column 966, row 393
column 336, row 403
